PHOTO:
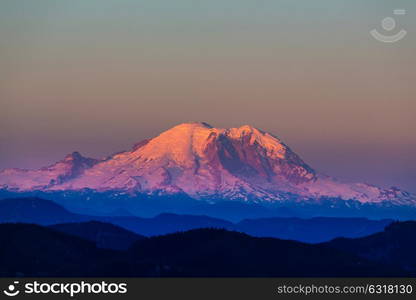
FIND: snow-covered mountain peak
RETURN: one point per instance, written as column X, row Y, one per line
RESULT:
column 253, row 136
column 180, row 143
column 201, row 161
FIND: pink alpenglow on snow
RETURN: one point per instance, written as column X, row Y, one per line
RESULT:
column 199, row 160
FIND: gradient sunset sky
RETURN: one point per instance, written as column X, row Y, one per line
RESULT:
column 97, row 76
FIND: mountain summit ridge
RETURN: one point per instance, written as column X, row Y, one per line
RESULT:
column 203, row 162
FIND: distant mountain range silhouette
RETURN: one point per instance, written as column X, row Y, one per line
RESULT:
column 31, row 250
column 396, row 245
column 104, row 235
column 81, row 247
column 44, row 212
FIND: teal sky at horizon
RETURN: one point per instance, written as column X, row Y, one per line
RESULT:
column 96, row 76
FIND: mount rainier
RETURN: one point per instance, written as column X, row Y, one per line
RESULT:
column 204, row 163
